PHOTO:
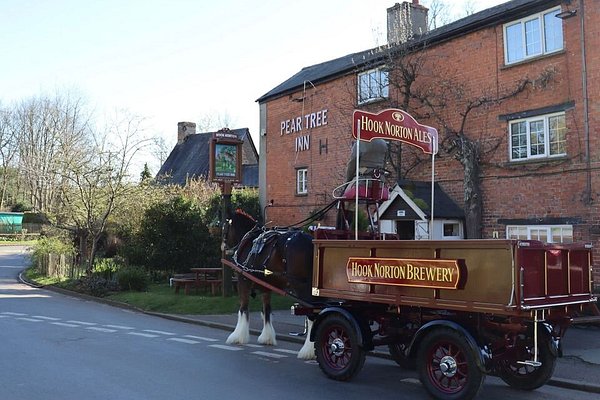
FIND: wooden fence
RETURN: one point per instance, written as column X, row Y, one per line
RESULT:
column 60, row 265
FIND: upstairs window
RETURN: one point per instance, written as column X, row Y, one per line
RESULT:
column 373, row 85
column 302, row 181
column 533, row 36
column 538, row 137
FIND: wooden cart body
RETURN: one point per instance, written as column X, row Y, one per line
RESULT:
column 494, row 276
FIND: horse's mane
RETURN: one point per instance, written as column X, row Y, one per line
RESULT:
column 239, row 211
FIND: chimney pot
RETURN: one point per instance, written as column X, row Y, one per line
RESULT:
column 184, row 129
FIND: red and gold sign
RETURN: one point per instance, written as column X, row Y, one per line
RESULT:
column 435, row 274
column 394, row 124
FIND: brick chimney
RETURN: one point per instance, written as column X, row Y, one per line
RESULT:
column 184, row 129
column 405, row 21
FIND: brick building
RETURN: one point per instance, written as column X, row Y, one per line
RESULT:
column 512, row 90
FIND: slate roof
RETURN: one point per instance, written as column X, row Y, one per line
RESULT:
column 190, row 159
column 332, row 69
column 444, row 206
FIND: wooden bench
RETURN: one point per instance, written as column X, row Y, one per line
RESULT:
column 186, row 283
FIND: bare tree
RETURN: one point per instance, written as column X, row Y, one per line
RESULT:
column 98, row 182
column 213, row 121
column 8, row 151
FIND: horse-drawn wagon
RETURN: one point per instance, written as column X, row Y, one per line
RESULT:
column 455, row 310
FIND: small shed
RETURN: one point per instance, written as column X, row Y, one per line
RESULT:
column 408, row 211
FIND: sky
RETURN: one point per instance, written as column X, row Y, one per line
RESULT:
column 179, row 60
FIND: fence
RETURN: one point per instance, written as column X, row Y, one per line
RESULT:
column 60, row 265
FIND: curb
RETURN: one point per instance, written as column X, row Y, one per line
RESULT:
column 557, row 382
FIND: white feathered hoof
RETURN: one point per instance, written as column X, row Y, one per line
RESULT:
column 241, row 333
column 268, row 335
column 307, row 352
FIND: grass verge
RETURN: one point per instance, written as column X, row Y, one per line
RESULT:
column 161, row 298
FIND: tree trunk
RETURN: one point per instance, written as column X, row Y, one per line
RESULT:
column 472, row 187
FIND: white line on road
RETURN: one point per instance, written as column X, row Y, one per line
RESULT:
column 15, row 314
column 224, row 347
column 119, row 327
column 202, row 338
column 99, row 329
column 148, row 335
column 270, row 355
column 286, row 351
column 182, row 340
column 29, row 319
column 65, row 324
column 46, row 318
column 254, row 346
column 82, row 323
column 159, row 332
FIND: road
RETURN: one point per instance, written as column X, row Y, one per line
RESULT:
column 61, row 347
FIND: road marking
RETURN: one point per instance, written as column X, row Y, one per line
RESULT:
column 99, row 329
column 182, row 340
column 82, row 323
column 202, row 338
column 46, row 318
column 254, row 346
column 149, row 335
column 29, row 319
column 65, row 324
column 159, row 332
column 15, row 314
column 286, row 351
column 119, row 327
column 270, row 355
column 225, row 347
column 412, row 381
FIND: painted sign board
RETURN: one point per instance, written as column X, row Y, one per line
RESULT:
column 394, row 124
column 225, row 157
column 433, row 274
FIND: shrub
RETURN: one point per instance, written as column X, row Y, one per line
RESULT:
column 132, row 278
column 106, row 267
column 50, row 245
column 95, row 285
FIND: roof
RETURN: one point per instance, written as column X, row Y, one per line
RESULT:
column 332, row 69
column 190, row 159
column 420, row 193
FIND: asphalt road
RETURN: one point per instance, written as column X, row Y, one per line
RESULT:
column 60, row 347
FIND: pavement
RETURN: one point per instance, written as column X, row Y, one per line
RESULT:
column 578, row 369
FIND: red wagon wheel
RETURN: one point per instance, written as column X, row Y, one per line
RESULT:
column 339, row 353
column 447, row 366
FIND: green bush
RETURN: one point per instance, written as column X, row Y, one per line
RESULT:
column 95, row 285
column 174, row 238
column 50, row 245
column 133, row 279
column 106, row 267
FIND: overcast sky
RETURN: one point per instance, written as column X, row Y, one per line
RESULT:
column 179, row 60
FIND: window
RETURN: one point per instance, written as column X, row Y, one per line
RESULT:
column 373, row 85
column 533, row 36
column 538, row 137
column 544, row 233
column 301, row 181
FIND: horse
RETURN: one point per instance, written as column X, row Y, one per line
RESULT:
column 281, row 258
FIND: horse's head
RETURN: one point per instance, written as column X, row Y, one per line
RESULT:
column 235, row 228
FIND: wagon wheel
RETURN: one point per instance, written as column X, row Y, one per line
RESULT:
column 527, row 377
column 339, row 353
column 447, row 367
column 398, row 353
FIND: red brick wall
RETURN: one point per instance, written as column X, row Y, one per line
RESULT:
column 475, row 63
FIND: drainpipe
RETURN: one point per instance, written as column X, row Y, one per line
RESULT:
column 586, row 122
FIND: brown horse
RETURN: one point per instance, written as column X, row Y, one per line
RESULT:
column 281, row 258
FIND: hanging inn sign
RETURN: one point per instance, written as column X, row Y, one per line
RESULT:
column 225, row 157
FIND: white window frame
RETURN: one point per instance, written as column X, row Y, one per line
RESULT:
column 532, row 232
column 524, row 139
column 302, row 181
column 539, row 37
column 459, row 230
column 373, row 85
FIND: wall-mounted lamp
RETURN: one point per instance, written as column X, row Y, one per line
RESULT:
column 566, row 14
